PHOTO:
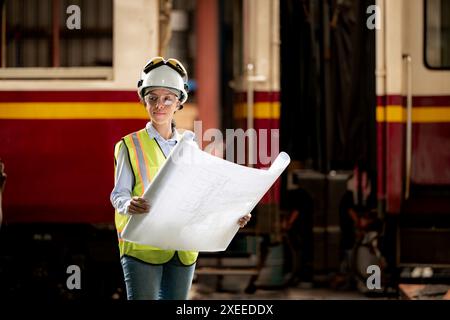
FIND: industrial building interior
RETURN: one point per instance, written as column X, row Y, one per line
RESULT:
column 357, row 92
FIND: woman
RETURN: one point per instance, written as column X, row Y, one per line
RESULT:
column 152, row 273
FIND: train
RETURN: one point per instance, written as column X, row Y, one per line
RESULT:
column 344, row 82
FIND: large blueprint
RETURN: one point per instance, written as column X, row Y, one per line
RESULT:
column 196, row 200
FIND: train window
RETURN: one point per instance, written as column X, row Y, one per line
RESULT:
column 437, row 34
column 56, row 33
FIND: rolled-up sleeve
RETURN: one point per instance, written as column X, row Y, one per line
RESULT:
column 123, row 182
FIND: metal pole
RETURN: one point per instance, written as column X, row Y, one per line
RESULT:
column 408, row 124
column 250, row 103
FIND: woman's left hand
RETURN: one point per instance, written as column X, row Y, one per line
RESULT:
column 243, row 221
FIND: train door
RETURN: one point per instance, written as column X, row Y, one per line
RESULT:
column 425, row 115
column 250, row 101
column 427, row 159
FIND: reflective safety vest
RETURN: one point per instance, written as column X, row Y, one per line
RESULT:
column 146, row 157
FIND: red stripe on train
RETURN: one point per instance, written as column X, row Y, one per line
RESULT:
column 418, row 101
column 259, row 96
column 60, row 171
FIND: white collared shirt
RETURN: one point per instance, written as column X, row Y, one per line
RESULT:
column 124, row 178
column 166, row 145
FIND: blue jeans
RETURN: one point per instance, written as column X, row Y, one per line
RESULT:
column 169, row 281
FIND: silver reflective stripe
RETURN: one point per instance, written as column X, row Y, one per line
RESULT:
column 141, row 161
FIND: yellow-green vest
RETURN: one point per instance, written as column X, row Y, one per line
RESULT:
column 146, row 157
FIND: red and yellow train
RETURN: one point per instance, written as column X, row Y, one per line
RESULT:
column 58, row 125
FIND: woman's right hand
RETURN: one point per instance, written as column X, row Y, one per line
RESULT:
column 138, row 206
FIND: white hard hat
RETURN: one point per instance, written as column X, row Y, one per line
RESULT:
column 161, row 73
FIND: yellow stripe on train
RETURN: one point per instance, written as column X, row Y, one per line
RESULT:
column 72, row 110
column 261, row 110
column 419, row 114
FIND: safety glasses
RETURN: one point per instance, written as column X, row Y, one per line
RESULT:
column 165, row 100
column 172, row 63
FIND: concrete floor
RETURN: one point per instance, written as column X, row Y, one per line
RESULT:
column 234, row 288
column 200, row 291
column 292, row 293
